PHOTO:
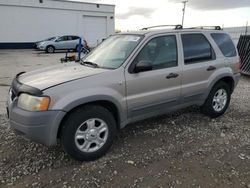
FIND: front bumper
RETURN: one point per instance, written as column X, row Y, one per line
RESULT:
column 41, row 47
column 41, row 127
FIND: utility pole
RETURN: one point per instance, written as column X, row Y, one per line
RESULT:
column 184, row 8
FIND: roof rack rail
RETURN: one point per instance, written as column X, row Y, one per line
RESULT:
column 206, row 27
column 175, row 27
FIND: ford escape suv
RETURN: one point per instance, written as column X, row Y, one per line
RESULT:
column 129, row 77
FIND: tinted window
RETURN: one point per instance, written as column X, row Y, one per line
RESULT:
column 225, row 44
column 196, row 48
column 63, row 38
column 73, row 37
column 70, row 37
column 161, row 52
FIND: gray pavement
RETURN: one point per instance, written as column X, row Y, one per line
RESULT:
column 15, row 61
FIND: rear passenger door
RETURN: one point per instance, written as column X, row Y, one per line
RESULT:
column 73, row 42
column 198, row 66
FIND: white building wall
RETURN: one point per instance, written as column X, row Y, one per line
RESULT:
column 28, row 20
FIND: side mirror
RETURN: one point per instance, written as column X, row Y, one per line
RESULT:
column 142, row 66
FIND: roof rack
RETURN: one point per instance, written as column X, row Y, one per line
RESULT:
column 175, row 27
column 206, row 27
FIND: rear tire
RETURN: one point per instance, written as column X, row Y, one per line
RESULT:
column 88, row 132
column 218, row 100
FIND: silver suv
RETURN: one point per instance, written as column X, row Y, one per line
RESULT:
column 129, row 77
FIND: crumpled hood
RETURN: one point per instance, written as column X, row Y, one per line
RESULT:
column 54, row 75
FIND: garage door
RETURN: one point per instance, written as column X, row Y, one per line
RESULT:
column 95, row 29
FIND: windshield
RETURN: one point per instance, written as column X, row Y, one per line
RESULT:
column 113, row 51
column 52, row 38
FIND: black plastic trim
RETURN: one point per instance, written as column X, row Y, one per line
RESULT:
column 18, row 88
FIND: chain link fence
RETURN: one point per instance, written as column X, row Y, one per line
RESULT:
column 236, row 32
column 241, row 37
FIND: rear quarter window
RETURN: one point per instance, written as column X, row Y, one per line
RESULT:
column 225, row 44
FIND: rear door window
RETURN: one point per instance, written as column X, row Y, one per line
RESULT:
column 225, row 44
column 196, row 48
column 74, row 37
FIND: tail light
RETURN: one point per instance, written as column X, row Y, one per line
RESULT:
column 85, row 42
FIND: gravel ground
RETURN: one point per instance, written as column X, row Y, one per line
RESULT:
column 183, row 149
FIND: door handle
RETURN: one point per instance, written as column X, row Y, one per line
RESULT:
column 172, row 75
column 211, row 68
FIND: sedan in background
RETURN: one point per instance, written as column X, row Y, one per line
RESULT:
column 67, row 42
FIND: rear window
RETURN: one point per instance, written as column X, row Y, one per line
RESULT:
column 225, row 44
column 196, row 48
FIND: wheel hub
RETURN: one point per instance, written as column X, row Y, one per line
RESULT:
column 220, row 100
column 91, row 135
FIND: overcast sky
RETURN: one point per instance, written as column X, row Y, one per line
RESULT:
column 135, row 14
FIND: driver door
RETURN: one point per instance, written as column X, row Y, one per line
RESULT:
column 154, row 92
column 61, row 43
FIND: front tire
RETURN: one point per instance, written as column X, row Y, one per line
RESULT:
column 218, row 100
column 88, row 132
column 50, row 49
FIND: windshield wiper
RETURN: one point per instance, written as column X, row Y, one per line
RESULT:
column 89, row 63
